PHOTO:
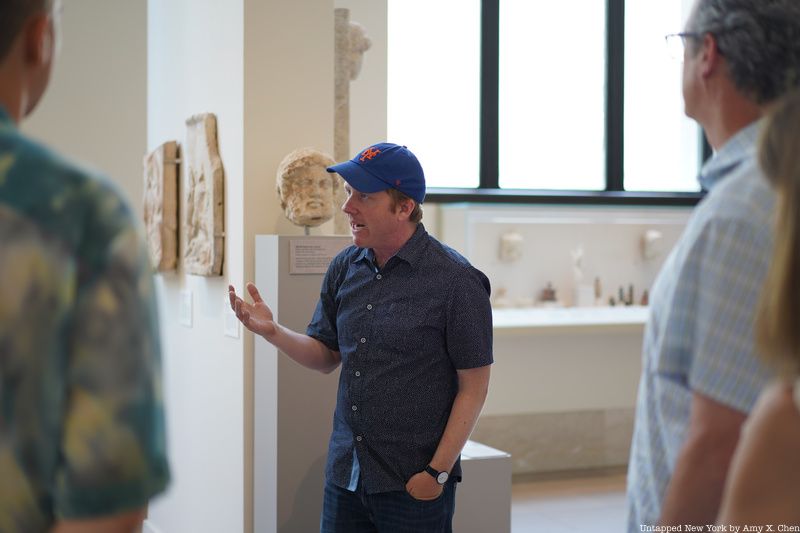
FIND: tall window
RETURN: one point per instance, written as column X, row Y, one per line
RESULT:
column 551, row 119
column 509, row 96
column 434, row 86
column 662, row 147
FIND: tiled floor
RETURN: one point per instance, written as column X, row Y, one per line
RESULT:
column 587, row 504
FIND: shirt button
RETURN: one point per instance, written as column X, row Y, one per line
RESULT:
column 358, row 373
column 358, row 438
column 369, row 306
column 363, row 340
column 355, row 408
column 379, row 276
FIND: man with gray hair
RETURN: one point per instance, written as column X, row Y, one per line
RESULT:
column 701, row 375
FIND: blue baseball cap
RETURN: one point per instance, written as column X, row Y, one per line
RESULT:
column 383, row 166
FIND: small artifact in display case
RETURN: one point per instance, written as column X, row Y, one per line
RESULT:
column 645, row 298
column 511, row 245
column 500, row 299
column 548, row 294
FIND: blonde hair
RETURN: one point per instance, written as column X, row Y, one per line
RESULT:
column 398, row 197
column 778, row 318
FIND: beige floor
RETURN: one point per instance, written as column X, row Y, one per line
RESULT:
column 588, row 503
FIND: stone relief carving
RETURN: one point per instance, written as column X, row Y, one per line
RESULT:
column 203, row 198
column 351, row 44
column 161, row 206
column 306, row 190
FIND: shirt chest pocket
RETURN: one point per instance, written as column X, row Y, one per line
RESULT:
column 407, row 323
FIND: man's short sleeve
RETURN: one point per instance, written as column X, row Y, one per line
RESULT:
column 469, row 321
column 323, row 323
column 732, row 258
column 113, row 439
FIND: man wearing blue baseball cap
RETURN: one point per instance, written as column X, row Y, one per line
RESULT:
column 409, row 320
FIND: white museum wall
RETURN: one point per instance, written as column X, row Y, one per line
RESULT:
column 288, row 102
column 95, row 110
column 195, row 65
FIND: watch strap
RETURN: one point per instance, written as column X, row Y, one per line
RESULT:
column 440, row 477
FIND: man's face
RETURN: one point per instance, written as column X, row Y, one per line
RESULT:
column 373, row 222
column 692, row 50
column 308, row 196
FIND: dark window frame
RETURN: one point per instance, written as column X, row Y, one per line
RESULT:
column 489, row 191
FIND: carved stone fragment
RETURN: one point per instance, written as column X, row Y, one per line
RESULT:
column 161, row 206
column 203, row 197
column 351, row 42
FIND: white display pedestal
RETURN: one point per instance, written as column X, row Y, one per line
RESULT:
column 293, row 406
column 483, row 499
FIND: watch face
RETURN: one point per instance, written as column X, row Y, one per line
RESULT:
column 441, row 478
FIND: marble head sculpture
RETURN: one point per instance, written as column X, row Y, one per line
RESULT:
column 306, row 190
column 359, row 43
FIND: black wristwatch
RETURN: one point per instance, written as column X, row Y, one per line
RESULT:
column 440, row 477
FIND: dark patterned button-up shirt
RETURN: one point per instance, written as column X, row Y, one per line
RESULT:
column 403, row 331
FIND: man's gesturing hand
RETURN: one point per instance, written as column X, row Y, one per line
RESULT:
column 257, row 317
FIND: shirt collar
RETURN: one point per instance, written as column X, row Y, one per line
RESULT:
column 412, row 249
column 740, row 147
column 410, row 252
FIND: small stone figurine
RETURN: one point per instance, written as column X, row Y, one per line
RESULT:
column 548, row 293
column 500, row 299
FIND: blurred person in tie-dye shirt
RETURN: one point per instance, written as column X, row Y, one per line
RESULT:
column 82, row 444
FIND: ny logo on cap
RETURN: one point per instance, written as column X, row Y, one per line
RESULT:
column 368, row 154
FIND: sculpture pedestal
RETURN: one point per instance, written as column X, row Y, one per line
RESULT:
column 483, row 499
column 293, row 406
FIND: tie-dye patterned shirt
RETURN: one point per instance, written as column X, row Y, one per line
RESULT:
column 81, row 414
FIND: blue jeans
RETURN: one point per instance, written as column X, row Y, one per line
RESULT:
column 386, row 512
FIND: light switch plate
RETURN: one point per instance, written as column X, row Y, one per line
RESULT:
column 185, row 311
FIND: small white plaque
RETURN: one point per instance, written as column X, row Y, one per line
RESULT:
column 312, row 256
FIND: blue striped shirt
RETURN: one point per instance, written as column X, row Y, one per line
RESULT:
column 700, row 334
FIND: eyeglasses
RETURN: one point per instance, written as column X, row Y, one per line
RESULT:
column 677, row 41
